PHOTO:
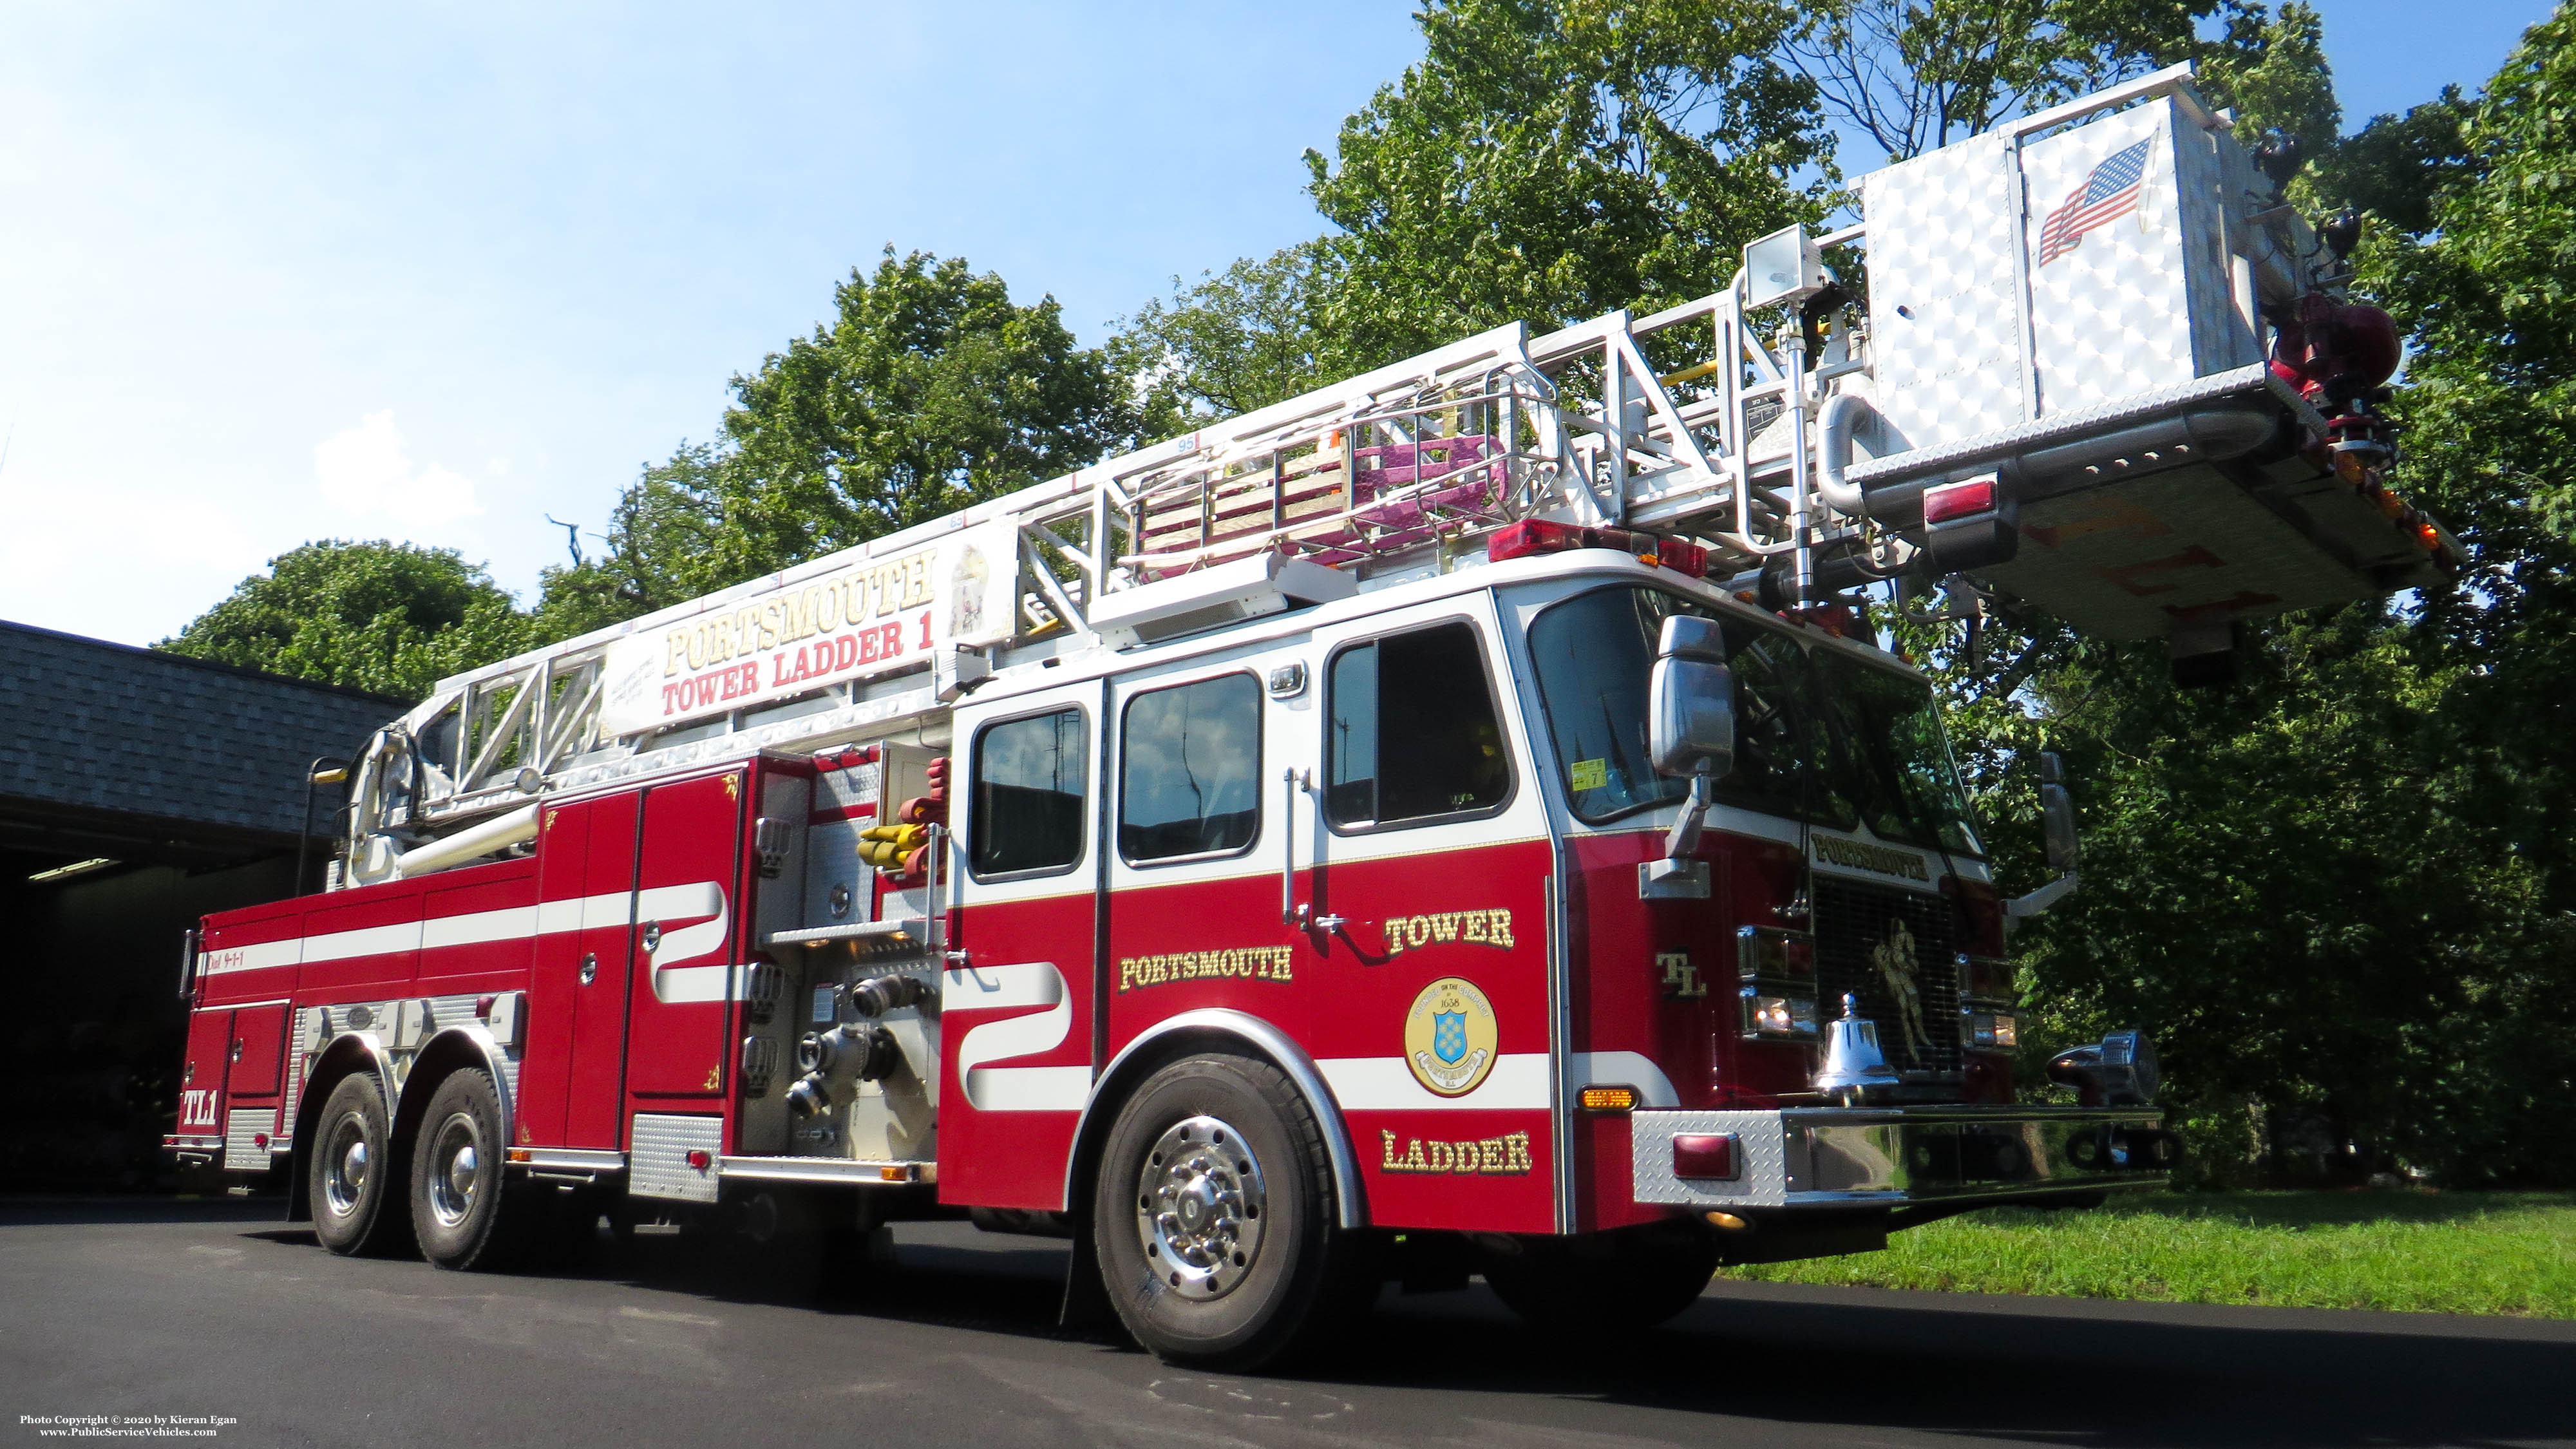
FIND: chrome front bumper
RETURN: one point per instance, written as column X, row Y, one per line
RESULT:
column 1896, row 1156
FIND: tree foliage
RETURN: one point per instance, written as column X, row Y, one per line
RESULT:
column 389, row 617
column 2338, row 893
column 1912, row 75
column 662, row 549
column 1555, row 159
column 1233, row 341
column 928, row 390
column 1548, row 160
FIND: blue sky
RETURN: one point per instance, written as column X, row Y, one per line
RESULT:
column 433, row 271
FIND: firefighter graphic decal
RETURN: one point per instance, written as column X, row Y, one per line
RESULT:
column 1897, row 971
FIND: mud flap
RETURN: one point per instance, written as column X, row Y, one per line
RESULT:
column 1086, row 1307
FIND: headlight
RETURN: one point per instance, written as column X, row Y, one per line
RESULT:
column 1767, row 953
column 1990, row 1031
column 1990, row 979
column 1778, row 1016
column 1776, row 970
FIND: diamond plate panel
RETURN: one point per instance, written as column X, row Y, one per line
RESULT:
column 832, row 863
column 455, row 1011
column 316, row 1025
column 1761, row 1148
column 2143, row 300
column 2179, row 548
column 661, row 1159
column 837, row 792
column 243, row 1127
column 1944, row 327
column 2108, row 313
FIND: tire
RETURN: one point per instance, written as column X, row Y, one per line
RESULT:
column 464, row 1210
column 351, row 1175
column 1624, row 1280
column 1212, row 1217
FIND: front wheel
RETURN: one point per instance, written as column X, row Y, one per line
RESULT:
column 459, row 1209
column 350, row 1177
column 1212, row 1216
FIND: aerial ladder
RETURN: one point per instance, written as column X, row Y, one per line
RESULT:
column 2099, row 368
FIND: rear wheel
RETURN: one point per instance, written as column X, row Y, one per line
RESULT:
column 461, row 1208
column 351, row 1176
column 1212, row 1217
column 1623, row 1280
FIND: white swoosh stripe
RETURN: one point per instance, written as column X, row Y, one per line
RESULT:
column 1015, row 1089
column 511, row 923
column 1384, row 1084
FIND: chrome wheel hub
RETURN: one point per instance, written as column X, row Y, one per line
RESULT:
column 454, row 1171
column 344, row 1179
column 1199, row 1208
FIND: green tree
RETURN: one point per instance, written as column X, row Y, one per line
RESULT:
column 662, row 549
column 1233, row 341
column 928, row 390
column 389, row 617
column 1912, row 75
column 2339, row 893
column 1554, row 159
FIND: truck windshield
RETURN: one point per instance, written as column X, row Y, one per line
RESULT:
column 1892, row 761
column 1816, row 734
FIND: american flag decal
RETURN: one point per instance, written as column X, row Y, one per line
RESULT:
column 2109, row 192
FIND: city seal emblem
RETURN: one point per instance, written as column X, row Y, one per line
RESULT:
column 1450, row 1037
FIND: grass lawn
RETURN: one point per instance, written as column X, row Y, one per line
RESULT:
column 2502, row 1253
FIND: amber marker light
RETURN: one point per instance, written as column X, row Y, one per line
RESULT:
column 1609, row 1099
column 1728, row 1221
column 520, row 1154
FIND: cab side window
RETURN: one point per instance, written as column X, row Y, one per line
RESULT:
column 1026, row 805
column 1189, row 772
column 1411, row 733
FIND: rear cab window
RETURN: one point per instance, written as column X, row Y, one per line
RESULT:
column 1189, row 770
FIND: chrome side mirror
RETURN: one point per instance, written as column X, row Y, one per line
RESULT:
column 2057, row 814
column 2057, row 829
column 1690, row 702
column 1690, row 729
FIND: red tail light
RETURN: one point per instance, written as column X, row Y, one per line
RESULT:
column 1535, row 536
column 1958, row 500
column 1698, row 1154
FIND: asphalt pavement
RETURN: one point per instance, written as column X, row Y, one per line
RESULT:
column 214, row 1316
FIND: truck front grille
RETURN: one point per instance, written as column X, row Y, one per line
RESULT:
column 1896, row 951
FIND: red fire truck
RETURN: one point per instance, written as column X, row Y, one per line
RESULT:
column 1449, row 821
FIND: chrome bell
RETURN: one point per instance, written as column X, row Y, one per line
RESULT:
column 1852, row 1058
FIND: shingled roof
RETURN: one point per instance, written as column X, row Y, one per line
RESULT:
column 98, row 731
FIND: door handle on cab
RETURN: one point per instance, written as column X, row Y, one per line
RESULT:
column 1293, row 912
column 1290, row 913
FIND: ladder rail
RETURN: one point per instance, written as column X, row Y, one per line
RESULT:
column 1434, row 449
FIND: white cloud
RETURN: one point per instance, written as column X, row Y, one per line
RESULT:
column 115, row 558
column 364, row 471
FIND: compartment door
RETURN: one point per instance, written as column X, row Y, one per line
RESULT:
column 201, row 1078
column 572, row 1077
column 687, row 932
column 1019, row 1012
column 258, row 1051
